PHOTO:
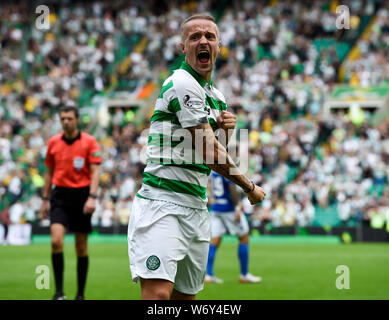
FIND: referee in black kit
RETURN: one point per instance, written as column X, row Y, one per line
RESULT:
column 72, row 162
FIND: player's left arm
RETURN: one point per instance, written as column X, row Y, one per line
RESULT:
column 212, row 151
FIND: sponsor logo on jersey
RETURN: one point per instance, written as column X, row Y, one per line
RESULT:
column 192, row 103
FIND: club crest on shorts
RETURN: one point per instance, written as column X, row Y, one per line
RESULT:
column 78, row 163
column 153, row 263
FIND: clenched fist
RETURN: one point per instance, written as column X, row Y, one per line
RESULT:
column 257, row 195
column 226, row 120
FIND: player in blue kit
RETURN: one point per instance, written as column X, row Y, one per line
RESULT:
column 227, row 216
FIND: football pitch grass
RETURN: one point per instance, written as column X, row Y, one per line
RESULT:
column 292, row 268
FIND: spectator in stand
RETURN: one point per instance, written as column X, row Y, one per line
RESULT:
column 273, row 75
column 5, row 221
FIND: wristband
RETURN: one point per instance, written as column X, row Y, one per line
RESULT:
column 92, row 195
column 252, row 189
column 45, row 198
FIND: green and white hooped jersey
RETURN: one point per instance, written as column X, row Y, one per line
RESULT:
column 174, row 171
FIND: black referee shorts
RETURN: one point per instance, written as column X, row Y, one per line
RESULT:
column 67, row 208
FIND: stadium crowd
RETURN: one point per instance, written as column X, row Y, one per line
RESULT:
column 273, row 77
column 372, row 66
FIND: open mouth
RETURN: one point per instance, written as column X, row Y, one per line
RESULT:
column 203, row 56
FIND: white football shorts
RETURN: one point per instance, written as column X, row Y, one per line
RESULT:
column 222, row 223
column 169, row 241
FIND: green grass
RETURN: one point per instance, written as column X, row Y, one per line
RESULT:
column 289, row 271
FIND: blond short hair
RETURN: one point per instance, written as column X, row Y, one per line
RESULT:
column 199, row 16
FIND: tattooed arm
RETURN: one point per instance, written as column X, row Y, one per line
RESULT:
column 217, row 159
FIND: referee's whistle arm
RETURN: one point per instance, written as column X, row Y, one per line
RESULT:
column 90, row 206
column 45, row 208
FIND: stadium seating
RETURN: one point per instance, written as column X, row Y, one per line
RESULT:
column 278, row 62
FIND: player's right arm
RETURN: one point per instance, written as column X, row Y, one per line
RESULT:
column 212, row 151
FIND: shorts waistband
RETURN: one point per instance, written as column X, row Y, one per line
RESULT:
column 159, row 200
column 71, row 189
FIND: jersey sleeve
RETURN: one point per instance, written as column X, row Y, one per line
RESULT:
column 94, row 153
column 49, row 160
column 191, row 98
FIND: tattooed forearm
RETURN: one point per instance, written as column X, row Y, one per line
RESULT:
column 216, row 157
column 225, row 168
